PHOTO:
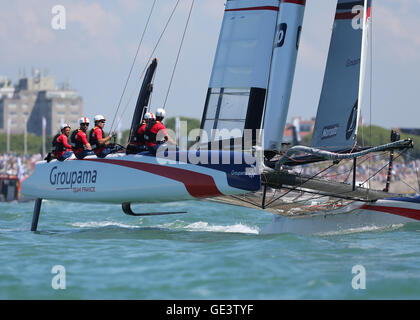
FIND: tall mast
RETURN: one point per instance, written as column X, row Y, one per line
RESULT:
column 367, row 20
column 285, row 49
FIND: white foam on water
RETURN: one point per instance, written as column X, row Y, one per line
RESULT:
column 96, row 224
column 361, row 229
column 236, row 228
column 204, row 226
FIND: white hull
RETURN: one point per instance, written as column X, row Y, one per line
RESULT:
column 121, row 178
column 352, row 218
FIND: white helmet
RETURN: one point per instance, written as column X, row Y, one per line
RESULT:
column 84, row 120
column 99, row 117
column 149, row 116
column 160, row 113
column 65, row 125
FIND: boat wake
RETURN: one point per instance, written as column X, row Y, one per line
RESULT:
column 178, row 225
column 203, row 226
column 103, row 224
column 362, row 229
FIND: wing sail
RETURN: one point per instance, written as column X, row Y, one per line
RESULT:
column 236, row 95
column 338, row 109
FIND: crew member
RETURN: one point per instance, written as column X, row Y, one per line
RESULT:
column 155, row 133
column 60, row 146
column 140, row 142
column 99, row 143
column 78, row 140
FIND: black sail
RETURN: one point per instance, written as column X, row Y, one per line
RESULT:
column 143, row 99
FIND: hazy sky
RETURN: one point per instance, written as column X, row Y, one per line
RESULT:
column 95, row 51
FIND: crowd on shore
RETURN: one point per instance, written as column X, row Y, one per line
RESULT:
column 374, row 169
column 18, row 165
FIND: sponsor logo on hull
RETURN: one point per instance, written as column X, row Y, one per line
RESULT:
column 65, row 180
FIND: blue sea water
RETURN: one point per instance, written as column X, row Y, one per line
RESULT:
column 214, row 251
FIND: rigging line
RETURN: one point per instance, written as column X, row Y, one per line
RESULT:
column 371, row 72
column 294, row 201
column 349, row 171
column 313, row 197
column 179, row 53
column 151, row 55
column 247, row 201
column 371, row 78
column 417, row 192
column 340, row 195
column 132, row 65
column 383, row 167
column 294, row 188
column 417, row 168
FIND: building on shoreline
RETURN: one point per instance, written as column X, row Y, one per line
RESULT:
column 36, row 97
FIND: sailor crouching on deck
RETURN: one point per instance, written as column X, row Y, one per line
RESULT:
column 140, row 142
column 155, row 130
column 100, row 144
column 78, row 140
column 60, row 146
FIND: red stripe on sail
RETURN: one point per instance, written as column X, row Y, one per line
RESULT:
column 346, row 15
column 198, row 185
column 272, row 8
column 300, row 2
column 368, row 13
column 404, row 212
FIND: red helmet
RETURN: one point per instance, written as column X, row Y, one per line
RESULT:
column 84, row 120
column 149, row 116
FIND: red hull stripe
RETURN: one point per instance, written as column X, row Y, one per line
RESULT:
column 198, row 185
column 272, row 8
column 404, row 212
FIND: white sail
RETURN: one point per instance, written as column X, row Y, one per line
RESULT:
column 366, row 38
column 338, row 109
column 283, row 65
column 238, row 84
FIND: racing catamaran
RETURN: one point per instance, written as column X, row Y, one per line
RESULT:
column 264, row 74
column 127, row 178
column 250, row 90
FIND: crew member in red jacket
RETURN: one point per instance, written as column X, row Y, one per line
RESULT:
column 61, row 148
column 100, row 144
column 155, row 133
column 140, row 142
column 78, row 140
